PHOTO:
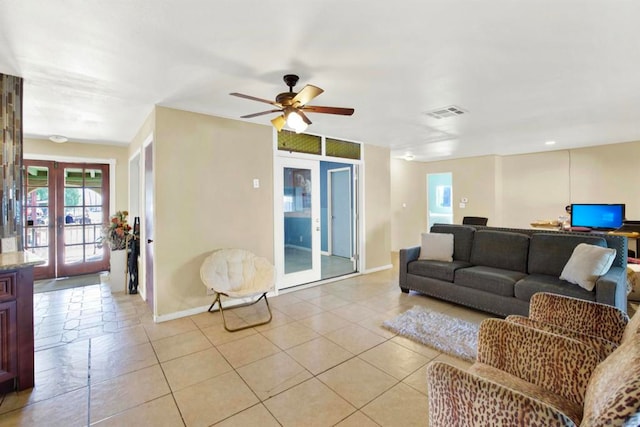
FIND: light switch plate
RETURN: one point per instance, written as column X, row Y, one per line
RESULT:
column 9, row 244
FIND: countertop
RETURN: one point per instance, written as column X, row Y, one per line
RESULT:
column 14, row 260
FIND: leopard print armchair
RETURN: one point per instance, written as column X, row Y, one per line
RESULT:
column 530, row 377
column 602, row 326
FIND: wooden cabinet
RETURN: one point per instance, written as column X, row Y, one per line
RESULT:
column 16, row 329
column 8, row 348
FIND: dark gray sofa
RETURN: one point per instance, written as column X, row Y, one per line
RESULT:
column 497, row 270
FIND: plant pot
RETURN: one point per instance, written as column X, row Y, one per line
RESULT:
column 117, row 271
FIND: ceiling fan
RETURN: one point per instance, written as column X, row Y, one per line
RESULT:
column 293, row 106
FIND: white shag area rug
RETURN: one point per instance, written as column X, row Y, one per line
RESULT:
column 437, row 330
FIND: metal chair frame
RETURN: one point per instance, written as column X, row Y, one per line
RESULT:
column 218, row 300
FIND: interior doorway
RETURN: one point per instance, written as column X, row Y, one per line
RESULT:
column 316, row 220
column 338, row 192
column 146, row 243
column 66, row 207
column 439, row 198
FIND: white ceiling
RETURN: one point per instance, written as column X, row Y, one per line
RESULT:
column 525, row 71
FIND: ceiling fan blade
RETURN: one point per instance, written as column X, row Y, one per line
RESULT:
column 253, row 98
column 304, row 117
column 248, row 116
column 279, row 122
column 328, row 110
column 305, row 95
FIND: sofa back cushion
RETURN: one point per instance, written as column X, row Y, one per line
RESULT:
column 462, row 239
column 500, row 249
column 549, row 252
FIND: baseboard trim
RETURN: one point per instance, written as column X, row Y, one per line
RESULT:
column 376, row 269
column 203, row 309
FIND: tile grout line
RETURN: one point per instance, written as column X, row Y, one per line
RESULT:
column 89, row 385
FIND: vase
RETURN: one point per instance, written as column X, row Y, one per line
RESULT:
column 117, row 271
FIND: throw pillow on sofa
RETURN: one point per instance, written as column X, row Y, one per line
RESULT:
column 587, row 264
column 437, row 247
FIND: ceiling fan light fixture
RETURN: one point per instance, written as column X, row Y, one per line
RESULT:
column 279, row 122
column 295, row 122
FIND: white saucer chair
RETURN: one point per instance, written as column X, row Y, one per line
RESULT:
column 238, row 273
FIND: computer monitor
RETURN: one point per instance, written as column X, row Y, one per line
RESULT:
column 597, row 216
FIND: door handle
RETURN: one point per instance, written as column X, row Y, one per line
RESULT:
column 149, row 241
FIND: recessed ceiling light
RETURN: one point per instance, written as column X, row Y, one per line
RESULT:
column 409, row 157
column 549, row 143
column 58, row 139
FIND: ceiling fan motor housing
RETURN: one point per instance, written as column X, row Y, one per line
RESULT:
column 291, row 80
column 285, row 98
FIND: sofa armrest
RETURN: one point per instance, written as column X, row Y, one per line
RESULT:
column 406, row 256
column 579, row 315
column 560, row 365
column 460, row 398
column 602, row 346
column 611, row 288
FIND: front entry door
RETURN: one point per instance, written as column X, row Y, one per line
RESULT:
column 66, row 208
column 298, row 256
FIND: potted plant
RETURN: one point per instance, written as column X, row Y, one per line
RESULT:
column 117, row 234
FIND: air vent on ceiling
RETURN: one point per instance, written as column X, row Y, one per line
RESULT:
column 444, row 112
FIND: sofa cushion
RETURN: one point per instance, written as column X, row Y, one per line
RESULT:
column 489, row 279
column 437, row 247
column 440, row 270
column 549, row 252
column 587, row 264
column 533, row 283
column 462, row 239
column 500, row 249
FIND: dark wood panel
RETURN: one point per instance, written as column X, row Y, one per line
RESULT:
column 16, row 332
column 8, row 354
column 7, row 287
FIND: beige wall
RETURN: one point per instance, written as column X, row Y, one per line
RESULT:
column 146, row 131
column 204, row 199
column 377, row 193
column 33, row 148
column 514, row 191
column 473, row 178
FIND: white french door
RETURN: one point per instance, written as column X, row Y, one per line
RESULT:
column 297, row 257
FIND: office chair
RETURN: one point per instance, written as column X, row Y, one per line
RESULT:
column 475, row 220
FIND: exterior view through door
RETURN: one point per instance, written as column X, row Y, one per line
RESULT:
column 66, row 208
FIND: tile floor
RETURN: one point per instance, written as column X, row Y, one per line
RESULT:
column 324, row 360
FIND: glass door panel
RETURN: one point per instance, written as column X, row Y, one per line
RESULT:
column 297, row 220
column 82, row 216
column 298, row 258
column 39, row 224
